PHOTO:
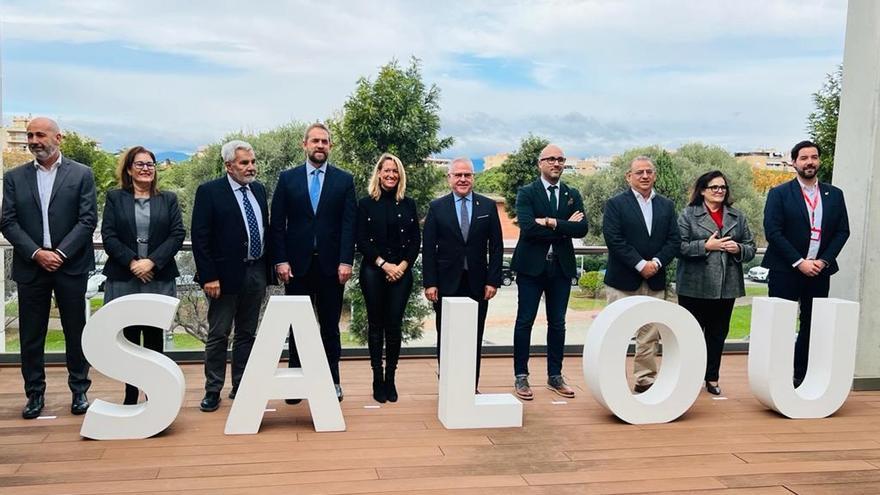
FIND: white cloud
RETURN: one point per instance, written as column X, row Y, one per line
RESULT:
column 664, row 71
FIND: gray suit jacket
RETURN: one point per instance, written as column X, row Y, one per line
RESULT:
column 73, row 215
column 712, row 274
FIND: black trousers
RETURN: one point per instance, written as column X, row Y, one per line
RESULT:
column 795, row 286
column 242, row 310
column 34, row 300
column 386, row 303
column 326, row 295
column 464, row 290
column 556, row 288
column 713, row 315
column 153, row 339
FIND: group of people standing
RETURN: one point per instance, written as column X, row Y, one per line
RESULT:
column 307, row 239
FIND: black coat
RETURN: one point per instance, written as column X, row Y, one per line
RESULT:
column 295, row 226
column 373, row 235
column 73, row 215
column 535, row 241
column 629, row 243
column 787, row 226
column 220, row 236
column 444, row 248
column 119, row 233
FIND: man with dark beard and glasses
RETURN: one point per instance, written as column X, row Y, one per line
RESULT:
column 311, row 234
column 49, row 214
column 806, row 226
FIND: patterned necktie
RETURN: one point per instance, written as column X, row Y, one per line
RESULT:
column 256, row 245
column 464, row 221
column 553, row 207
column 315, row 189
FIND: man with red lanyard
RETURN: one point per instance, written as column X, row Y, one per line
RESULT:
column 806, row 226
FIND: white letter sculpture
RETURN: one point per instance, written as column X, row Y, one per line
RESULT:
column 832, row 356
column 458, row 405
column 684, row 360
column 263, row 380
column 112, row 354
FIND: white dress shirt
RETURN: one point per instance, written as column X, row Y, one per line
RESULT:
column 814, row 194
column 45, row 183
column 257, row 211
column 647, row 207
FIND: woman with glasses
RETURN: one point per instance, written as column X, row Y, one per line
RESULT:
column 142, row 230
column 715, row 242
column 388, row 236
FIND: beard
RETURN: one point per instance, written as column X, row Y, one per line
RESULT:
column 313, row 157
column 41, row 152
column 807, row 173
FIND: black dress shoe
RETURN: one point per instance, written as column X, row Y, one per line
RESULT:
column 34, row 406
column 641, row 388
column 339, row 392
column 79, row 404
column 797, row 382
column 713, row 389
column 292, row 401
column 211, row 402
column 233, row 392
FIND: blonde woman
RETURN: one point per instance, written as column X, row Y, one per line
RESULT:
column 388, row 236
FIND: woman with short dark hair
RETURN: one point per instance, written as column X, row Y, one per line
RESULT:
column 715, row 242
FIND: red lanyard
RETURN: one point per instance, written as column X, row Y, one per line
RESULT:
column 812, row 205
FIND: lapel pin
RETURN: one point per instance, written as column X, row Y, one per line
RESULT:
column 477, row 203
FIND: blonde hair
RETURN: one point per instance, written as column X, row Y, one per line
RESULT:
column 374, row 190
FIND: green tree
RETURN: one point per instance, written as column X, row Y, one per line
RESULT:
column 822, row 123
column 490, row 181
column 397, row 113
column 86, row 151
column 394, row 113
column 521, row 168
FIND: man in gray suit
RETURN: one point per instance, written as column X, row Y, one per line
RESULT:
column 49, row 215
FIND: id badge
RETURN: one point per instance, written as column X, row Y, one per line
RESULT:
column 815, row 234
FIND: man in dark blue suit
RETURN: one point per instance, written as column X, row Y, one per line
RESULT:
column 806, row 226
column 229, row 221
column 462, row 248
column 641, row 231
column 312, row 238
column 550, row 214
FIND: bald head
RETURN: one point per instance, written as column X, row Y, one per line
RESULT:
column 551, row 162
column 44, row 138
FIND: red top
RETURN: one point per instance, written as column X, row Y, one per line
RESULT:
column 717, row 216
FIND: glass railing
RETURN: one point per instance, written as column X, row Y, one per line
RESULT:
column 186, row 338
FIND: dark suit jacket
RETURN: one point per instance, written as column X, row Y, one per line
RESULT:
column 295, row 227
column 119, row 232
column 372, row 231
column 628, row 241
column 444, row 248
column 787, row 226
column 220, row 236
column 73, row 215
column 535, row 240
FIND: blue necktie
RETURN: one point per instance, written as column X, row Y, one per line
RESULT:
column 253, row 230
column 315, row 189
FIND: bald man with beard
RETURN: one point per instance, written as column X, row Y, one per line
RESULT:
column 550, row 215
column 49, row 215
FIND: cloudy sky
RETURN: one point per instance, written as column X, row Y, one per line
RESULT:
column 595, row 76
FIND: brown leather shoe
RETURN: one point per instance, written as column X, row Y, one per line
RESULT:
column 557, row 384
column 521, row 386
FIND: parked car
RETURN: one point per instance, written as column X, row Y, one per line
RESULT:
column 508, row 276
column 759, row 274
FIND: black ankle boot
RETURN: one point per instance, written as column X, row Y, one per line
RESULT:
column 379, row 386
column 390, row 388
column 131, row 395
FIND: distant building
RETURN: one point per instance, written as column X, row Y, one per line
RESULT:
column 769, row 159
column 14, row 137
column 439, row 162
column 578, row 166
column 495, row 160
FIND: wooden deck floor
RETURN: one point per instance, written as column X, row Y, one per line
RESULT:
column 719, row 446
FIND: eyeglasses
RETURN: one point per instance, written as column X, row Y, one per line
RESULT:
column 648, row 171
column 462, row 175
column 553, row 159
column 143, row 165
column 717, row 188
